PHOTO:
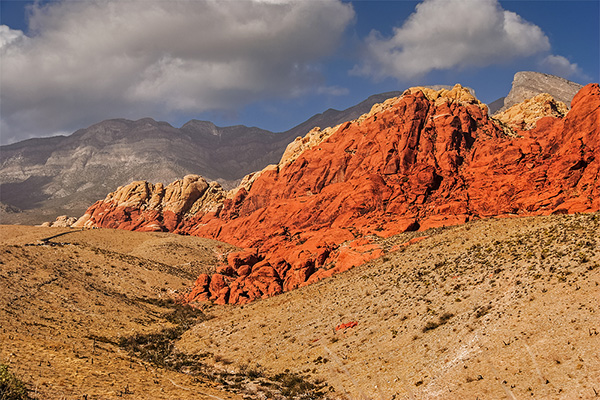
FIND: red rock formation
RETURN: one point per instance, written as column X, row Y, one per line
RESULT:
column 426, row 159
column 346, row 325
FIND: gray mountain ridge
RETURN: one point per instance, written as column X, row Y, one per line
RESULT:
column 47, row 177
column 527, row 84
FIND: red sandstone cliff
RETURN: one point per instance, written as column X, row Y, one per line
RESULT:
column 422, row 160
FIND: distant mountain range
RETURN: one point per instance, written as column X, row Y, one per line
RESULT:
column 43, row 178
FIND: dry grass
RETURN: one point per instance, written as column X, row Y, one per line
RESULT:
column 452, row 316
column 500, row 308
column 65, row 305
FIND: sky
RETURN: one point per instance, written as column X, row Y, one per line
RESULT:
column 67, row 64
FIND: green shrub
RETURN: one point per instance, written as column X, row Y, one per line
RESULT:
column 11, row 387
column 443, row 319
column 294, row 385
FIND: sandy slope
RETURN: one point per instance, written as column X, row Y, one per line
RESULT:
column 521, row 300
column 64, row 306
column 493, row 309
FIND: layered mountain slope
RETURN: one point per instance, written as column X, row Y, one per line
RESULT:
column 63, row 172
column 425, row 159
column 63, row 175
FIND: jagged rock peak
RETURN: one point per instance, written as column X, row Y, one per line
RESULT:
column 437, row 94
column 192, row 194
column 527, row 84
column 457, row 94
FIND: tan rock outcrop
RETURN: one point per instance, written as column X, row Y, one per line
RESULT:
column 145, row 206
column 300, row 144
column 62, row 221
column 523, row 116
column 180, row 195
column 458, row 94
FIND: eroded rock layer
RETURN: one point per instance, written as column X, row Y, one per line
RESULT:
column 426, row 159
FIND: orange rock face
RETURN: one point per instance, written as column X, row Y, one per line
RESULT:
column 426, row 159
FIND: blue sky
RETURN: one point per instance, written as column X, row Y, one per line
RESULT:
column 67, row 64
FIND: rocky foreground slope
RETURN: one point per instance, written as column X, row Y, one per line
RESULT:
column 501, row 308
column 425, row 159
column 495, row 308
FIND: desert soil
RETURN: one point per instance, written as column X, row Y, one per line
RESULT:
column 493, row 309
column 65, row 304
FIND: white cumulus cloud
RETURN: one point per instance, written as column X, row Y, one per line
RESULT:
column 84, row 61
column 8, row 35
column 444, row 34
column 561, row 66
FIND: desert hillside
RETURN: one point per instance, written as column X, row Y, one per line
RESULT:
column 495, row 308
column 95, row 314
column 69, row 302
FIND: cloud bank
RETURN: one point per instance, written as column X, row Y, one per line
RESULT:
column 445, row 34
column 84, row 61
